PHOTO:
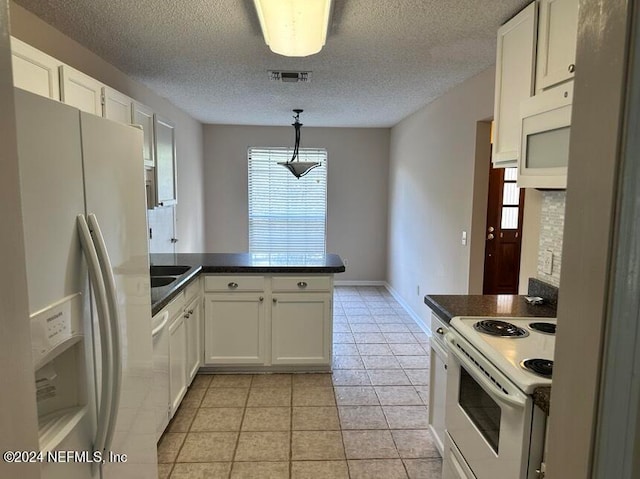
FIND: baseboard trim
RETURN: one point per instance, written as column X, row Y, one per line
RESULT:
column 408, row 309
column 359, row 283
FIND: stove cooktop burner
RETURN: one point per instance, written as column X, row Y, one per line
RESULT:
column 541, row 367
column 496, row 327
column 545, row 328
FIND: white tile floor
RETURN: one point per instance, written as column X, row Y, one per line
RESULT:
column 368, row 419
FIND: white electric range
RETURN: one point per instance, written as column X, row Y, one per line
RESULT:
column 495, row 364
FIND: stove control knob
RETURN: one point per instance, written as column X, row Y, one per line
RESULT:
column 440, row 331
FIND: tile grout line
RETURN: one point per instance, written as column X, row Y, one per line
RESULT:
column 244, row 412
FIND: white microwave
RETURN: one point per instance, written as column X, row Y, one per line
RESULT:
column 546, row 127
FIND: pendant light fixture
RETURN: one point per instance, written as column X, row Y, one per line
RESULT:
column 294, row 165
column 294, row 28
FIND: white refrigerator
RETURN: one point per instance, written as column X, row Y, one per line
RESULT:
column 85, row 229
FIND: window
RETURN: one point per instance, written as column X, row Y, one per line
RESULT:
column 287, row 214
column 510, row 200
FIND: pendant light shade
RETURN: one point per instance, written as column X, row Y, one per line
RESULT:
column 294, row 165
column 294, row 28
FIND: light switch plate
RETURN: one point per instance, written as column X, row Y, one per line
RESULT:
column 547, row 262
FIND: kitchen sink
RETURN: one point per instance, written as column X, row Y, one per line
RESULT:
column 168, row 270
column 159, row 281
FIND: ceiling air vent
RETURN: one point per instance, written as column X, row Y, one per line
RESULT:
column 289, row 77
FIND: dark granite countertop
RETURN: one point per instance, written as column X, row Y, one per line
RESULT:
column 448, row 306
column 225, row 263
column 542, row 398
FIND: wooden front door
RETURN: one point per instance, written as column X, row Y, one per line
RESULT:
column 503, row 234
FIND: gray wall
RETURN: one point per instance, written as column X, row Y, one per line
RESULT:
column 358, row 160
column 189, row 213
column 432, row 160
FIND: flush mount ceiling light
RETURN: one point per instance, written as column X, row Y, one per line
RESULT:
column 294, row 28
column 294, row 165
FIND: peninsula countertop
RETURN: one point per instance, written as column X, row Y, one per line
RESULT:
column 229, row 263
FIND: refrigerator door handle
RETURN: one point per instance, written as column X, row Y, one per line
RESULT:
column 97, row 283
column 112, row 303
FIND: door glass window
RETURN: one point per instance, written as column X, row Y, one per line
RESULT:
column 483, row 411
column 510, row 200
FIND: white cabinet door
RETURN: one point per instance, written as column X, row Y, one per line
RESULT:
column 514, row 82
column 34, row 71
column 234, row 328
column 165, row 149
column 80, row 90
column 117, row 107
column 437, row 393
column 161, row 395
column 143, row 116
column 557, row 36
column 177, row 361
column 193, row 320
column 301, row 328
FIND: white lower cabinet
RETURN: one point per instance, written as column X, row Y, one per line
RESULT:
column 235, row 328
column 177, row 361
column 301, row 328
column 193, row 321
column 278, row 320
column 177, row 351
column 438, row 382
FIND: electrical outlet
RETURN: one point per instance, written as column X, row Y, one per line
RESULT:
column 464, row 238
column 418, row 290
column 345, row 261
column 547, row 262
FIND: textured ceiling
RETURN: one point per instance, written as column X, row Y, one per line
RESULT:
column 383, row 60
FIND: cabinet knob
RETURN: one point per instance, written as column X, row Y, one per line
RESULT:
column 275, row 300
column 302, row 284
column 190, row 311
column 440, row 331
column 174, row 240
column 572, row 68
column 232, row 285
column 261, row 298
column 186, row 315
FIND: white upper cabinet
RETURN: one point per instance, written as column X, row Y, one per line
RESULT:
column 165, row 147
column 557, row 35
column 515, row 64
column 116, row 106
column 80, row 90
column 143, row 116
column 35, row 71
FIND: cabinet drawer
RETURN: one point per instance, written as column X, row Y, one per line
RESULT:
column 234, row 283
column 192, row 290
column 301, row 283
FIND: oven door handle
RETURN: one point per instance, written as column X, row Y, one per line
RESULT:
column 515, row 399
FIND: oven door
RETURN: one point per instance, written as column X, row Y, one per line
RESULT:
column 487, row 417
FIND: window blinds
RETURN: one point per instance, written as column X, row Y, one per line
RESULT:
column 287, row 214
